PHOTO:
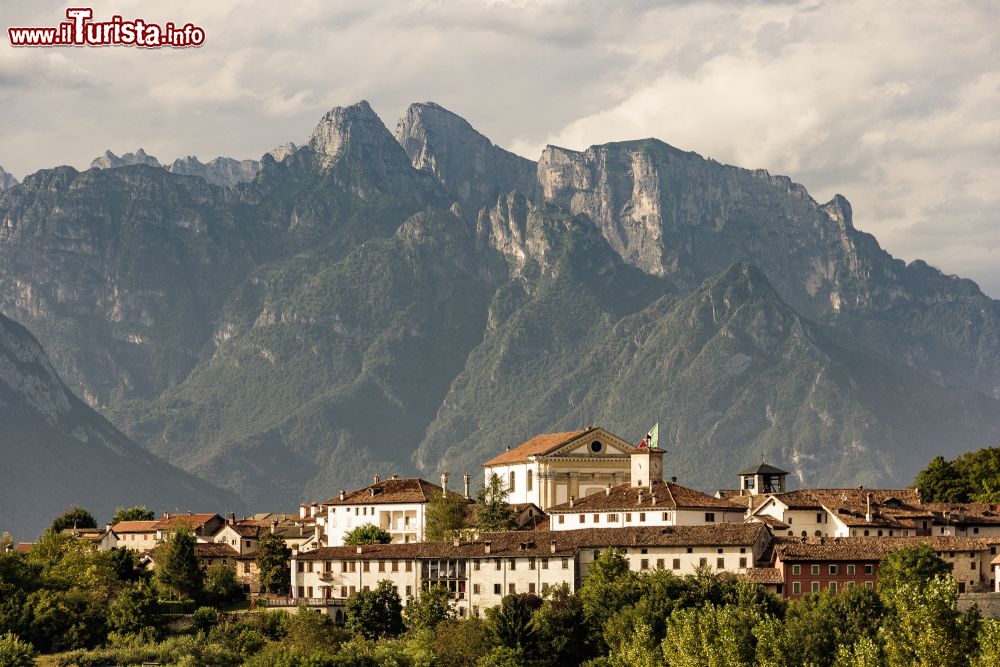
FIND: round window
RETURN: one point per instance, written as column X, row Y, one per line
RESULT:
column 596, row 446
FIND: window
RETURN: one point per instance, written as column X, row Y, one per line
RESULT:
column 690, row 550
column 869, row 584
column 819, row 517
column 301, row 567
column 246, row 566
column 815, row 586
column 499, row 563
column 475, row 565
column 612, row 518
column 365, row 566
column 343, row 591
column 597, row 518
column 869, row 569
column 642, row 516
column 562, row 519
column 720, row 563
column 796, row 569
column 849, row 584
column 748, row 482
column 565, row 563
column 531, row 587
column 677, row 564
column 409, row 591
column 597, row 554
column 832, row 586
column 659, row 563
column 511, row 588
column 409, row 566
column 709, row 517
column 497, row 590
column 702, row 562
column 644, row 564
column 628, row 516
column 531, row 563
column 381, row 566
column 850, row 569
column 545, row 563
column 395, row 566
column 529, row 482
column 814, row 569
column 743, row 562
column 583, row 518
column 796, row 588
column 834, row 570
column 512, row 563
column 475, row 589
column 972, row 565
column 510, row 484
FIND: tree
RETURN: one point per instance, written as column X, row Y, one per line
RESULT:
column 133, row 610
column 273, row 557
column 427, row 611
column 562, row 628
column 6, row 541
column 917, row 565
column 74, row 517
column 14, row 652
column 461, row 643
column 177, row 567
column 610, row 586
column 377, row 613
column 866, row 652
column 925, row 628
column 221, row 586
column 493, row 512
column 443, row 515
column 989, row 645
column 711, row 635
column 942, row 482
column 134, row 513
column 367, row 533
column 511, row 624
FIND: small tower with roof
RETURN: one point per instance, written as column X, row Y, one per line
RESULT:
column 762, row 478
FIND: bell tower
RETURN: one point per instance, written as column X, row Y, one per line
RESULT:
column 647, row 466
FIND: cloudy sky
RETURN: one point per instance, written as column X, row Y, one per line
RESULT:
column 894, row 105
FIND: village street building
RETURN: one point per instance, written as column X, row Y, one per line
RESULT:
column 550, row 468
column 138, row 536
column 479, row 573
column 838, row 563
column 844, row 513
column 204, row 526
column 396, row 505
column 242, row 536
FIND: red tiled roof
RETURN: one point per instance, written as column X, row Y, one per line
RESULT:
column 399, row 490
column 867, row 548
column 135, row 526
column 540, row 444
column 764, row 575
column 659, row 495
column 193, row 521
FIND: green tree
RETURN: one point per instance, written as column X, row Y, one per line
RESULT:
column 177, row 568
column 376, row 613
column 610, row 586
column 221, row 586
column 711, row 635
column 989, row 645
column 205, row 618
column 461, row 643
column 562, row 627
column 14, row 652
column 133, row 610
column 273, row 557
column 511, row 624
column 942, row 482
column 134, row 513
column 443, row 515
column 6, row 541
column 924, row 627
column 367, row 533
column 492, row 511
column 74, row 517
column 866, row 652
column 917, row 565
column 429, row 609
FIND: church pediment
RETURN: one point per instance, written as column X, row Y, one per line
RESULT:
column 594, row 443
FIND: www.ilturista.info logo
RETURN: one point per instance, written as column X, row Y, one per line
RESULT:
column 79, row 30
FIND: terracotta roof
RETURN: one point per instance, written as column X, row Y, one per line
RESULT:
column 246, row 529
column 965, row 513
column 135, row 526
column 399, row 490
column 668, row 495
column 23, row 547
column 867, row 548
column 540, row 444
column 214, row 550
column 764, row 575
column 193, row 521
column 539, row 543
column 891, row 508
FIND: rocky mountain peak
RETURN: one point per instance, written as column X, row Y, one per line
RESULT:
column 468, row 165
column 110, row 161
column 7, row 180
column 346, row 129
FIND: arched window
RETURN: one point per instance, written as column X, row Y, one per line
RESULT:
column 510, row 483
column 529, row 483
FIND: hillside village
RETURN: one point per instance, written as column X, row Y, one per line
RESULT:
column 573, row 495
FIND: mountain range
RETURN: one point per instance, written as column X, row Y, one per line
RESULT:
column 413, row 302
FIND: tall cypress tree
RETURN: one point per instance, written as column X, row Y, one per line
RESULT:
column 178, row 569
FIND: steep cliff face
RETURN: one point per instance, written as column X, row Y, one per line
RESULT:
column 466, row 164
column 369, row 303
column 673, row 213
column 222, row 171
column 57, row 451
column 7, row 180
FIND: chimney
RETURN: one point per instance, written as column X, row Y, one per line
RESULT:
column 318, row 533
column 231, row 518
column 359, row 549
column 674, row 479
column 486, row 546
column 868, row 511
column 653, row 499
column 552, row 546
column 467, row 478
column 571, row 499
column 166, row 516
column 395, row 476
column 607, row 491
column 274, row 525
column 444, row 483
column 375, row 478
column 640, row 496
column 456, row 542
column 343, row 494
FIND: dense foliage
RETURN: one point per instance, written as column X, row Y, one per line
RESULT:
column 443, row 516
column 74, row 517
column 971, row 477
column 492, row 510
column 134, row 513
column 367, row 533
column 272, row 560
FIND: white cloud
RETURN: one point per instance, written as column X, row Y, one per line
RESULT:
column 895, row 105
